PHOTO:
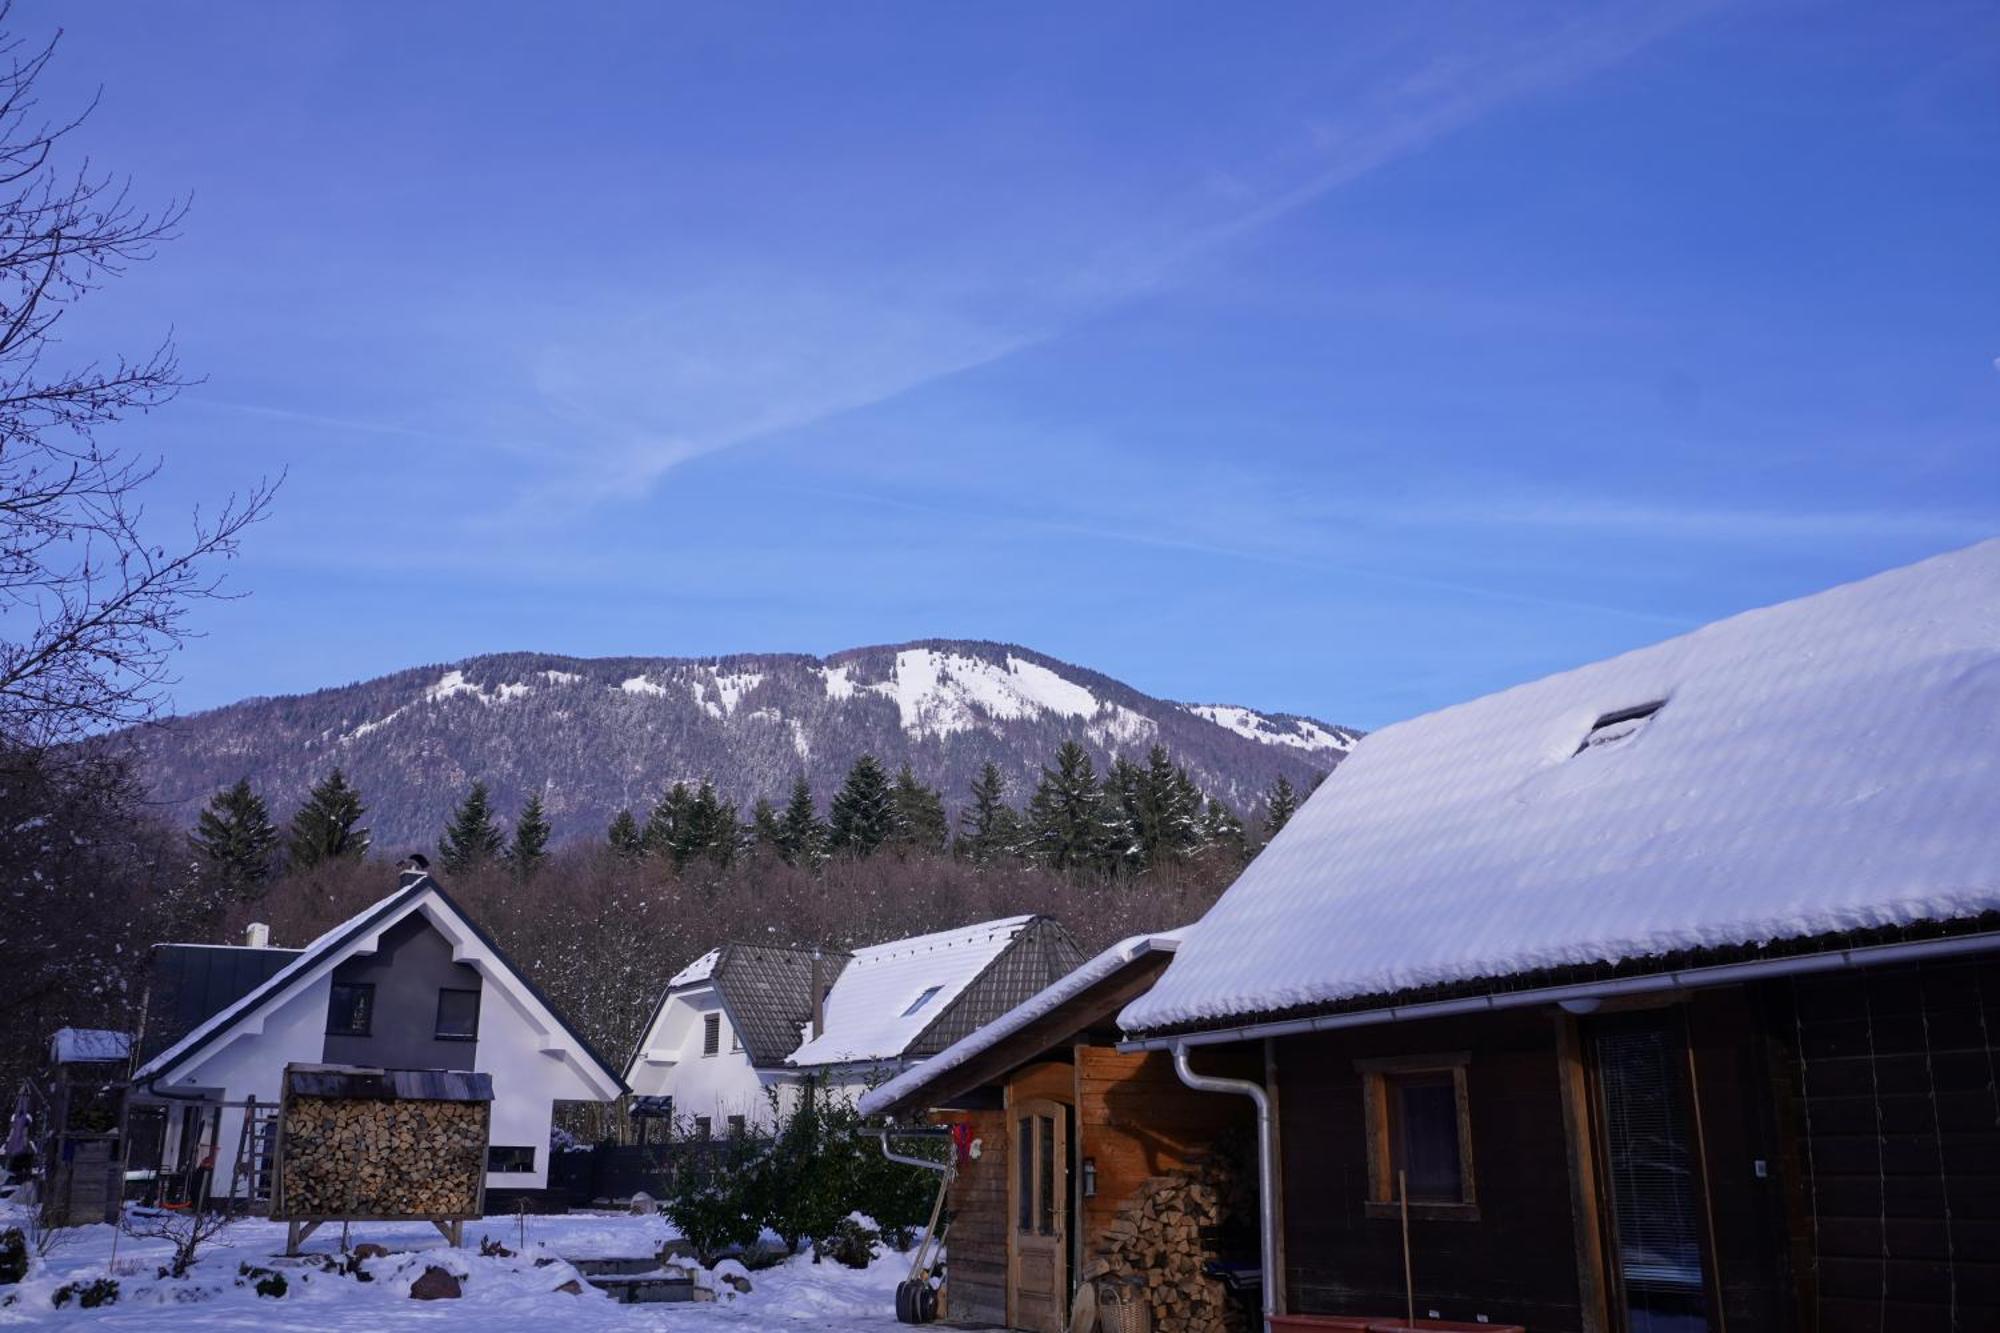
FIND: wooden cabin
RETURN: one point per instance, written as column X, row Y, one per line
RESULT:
column 1661, row 994
column 1073, row 1152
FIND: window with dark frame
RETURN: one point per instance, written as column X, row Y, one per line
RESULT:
column 922, row 1000
column 502, row 1160
column 1419, row 1137
column 458, row 1015
column 350, row 1009
column 702, row 1127
column 711, row 1034
column 737, row 1126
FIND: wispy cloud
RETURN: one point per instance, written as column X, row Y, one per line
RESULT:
column 762, row 352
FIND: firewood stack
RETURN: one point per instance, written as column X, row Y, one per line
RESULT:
column 1163, row 1237
column 360, row 1157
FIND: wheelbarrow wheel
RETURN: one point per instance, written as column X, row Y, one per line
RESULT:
column 916, row 1302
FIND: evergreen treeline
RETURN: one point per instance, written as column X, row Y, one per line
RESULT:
column 1128, row 821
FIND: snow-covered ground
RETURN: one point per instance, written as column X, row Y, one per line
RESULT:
column 499, row 1293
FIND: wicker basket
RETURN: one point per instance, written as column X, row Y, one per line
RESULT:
column 1123, row 1308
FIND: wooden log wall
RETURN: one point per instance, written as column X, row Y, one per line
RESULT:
column 363, row 1157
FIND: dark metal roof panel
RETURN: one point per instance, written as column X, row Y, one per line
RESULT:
column 1041, row 955
column 768, row 993
column 191, row 982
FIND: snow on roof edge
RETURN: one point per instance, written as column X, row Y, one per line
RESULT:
column 1049, row 998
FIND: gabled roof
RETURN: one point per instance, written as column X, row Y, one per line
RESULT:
column 765, row 990
column 1824, row 766
column 420, row 893
column 1028, row 1029
column 890, row 995
column 768, row 993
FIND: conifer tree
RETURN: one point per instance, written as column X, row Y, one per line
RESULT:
column 234, row 840
column 920, row 819
column 1279, row 806
column 988, row 827
column 1066, row 819
column 327, row 826
column 1223, row 829
column 624, row 835
column 710, row 830
column 474, row 837
column 802, row 837
column 666, row 828
column 766, row 833
column 863, row 815
column 531, row 838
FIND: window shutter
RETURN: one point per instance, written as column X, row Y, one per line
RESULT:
column 711, row 1034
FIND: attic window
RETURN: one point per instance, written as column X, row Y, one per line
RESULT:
column 1620, row 726
column 711, row 1034
column 922, row 1000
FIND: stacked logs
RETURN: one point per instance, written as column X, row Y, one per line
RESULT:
column 1162, row 1238
column 362, row 1157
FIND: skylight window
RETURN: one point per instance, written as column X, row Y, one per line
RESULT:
column 1618, row 727
column 922, row 1000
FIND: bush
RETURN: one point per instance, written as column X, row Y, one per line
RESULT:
column 13, row 1255
column 851, row 1244
column 88, row 1295
column 821, row 1165
column 715, row 1199
column 264, row 1281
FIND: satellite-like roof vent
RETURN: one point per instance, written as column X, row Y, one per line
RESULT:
column 1616, row 728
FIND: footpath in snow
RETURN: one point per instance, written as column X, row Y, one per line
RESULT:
column 498, row 1292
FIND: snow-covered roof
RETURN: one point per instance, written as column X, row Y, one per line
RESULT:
column 75, row 1046
column 1825, row 765
column 701, row 969
column 1107, row 964
column 356, row 934
column 874, row 1012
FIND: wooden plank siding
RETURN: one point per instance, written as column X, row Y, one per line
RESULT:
column 1896, row 1115
column 1136, row 1119
column 976, row 1262
column 1516, row 1263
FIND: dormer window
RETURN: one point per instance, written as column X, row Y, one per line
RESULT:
column 1616, row 728
column 922, row 1000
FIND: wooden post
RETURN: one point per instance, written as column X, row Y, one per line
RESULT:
column 1409, row 1276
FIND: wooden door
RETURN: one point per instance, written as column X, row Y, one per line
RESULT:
column 1038, row 1216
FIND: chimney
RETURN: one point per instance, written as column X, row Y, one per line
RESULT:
column 818, row 984
column 257, row 935
column 414, row 867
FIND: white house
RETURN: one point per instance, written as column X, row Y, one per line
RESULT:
column 897, row 1004
column 717, row 1044
column 410, row 983
column 737, row 1028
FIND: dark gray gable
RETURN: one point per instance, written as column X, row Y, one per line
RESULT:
column 768, row 993
column 1041, row 955
column 189, row 983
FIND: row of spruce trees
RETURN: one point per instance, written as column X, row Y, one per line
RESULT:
column 1134, row 818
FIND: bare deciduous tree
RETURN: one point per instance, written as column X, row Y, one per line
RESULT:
column 90, row 606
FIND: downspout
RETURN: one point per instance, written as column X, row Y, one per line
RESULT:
column 1267, row 1168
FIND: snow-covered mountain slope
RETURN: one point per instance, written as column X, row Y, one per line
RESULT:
column 598, row 735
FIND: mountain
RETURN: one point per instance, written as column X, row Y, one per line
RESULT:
column 601, row 734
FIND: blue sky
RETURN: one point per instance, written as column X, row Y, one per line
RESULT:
column 1343, row 359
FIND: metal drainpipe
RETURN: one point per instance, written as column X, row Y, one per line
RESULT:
column 895, row 1156
column 1267, row 1169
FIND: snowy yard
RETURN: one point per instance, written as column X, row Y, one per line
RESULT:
column 499, row 1293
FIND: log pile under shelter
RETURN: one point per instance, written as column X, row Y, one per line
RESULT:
column 367, row 1144
column 1164, row 1236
